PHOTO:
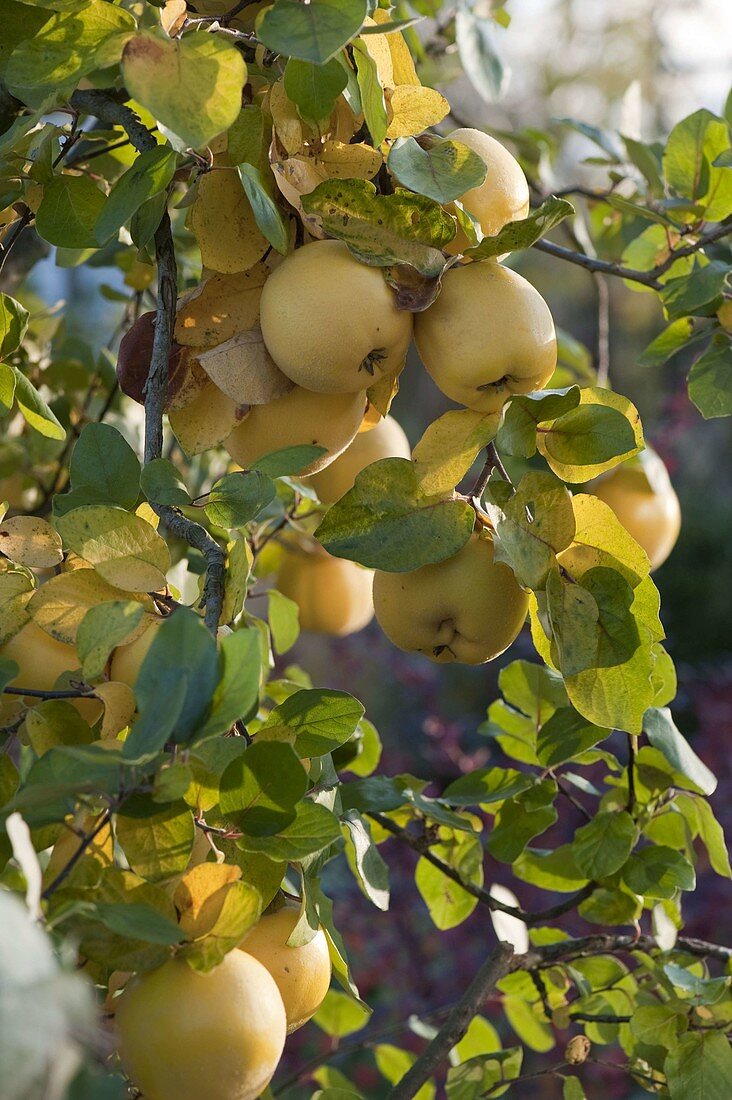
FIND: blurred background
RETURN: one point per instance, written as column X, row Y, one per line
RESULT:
column 637, row 66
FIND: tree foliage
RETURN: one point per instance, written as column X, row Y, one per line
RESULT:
column 153, row 140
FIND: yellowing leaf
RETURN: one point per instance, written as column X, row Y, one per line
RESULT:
column 119, row 707
column 287, row 122
column 344, row 161
column 222, row 221
column 401, row 57
column 206, row 421
column 295, row 177
column 31, row 542
column 448, row 448
column 60, row 604
column 124, row 549
column 99, row 851
column 601, row 540
column 198, row 887
column 413, row 109
column 377, row 47
column 192, row 85
column 220, row 307
column 244, row 370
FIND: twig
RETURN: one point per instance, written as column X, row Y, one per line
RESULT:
column 24, row 220
column 492, row 462
column 645, row 278
column 107, row 106
column 68, row 868
column 420, row 845
column 602, row 359
column 607, row 944
column 632, row 749
column 36, row 693
column 455, row 1026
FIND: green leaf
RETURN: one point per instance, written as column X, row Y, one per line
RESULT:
column 138, row 922
column 13, row 327
column 339, row 1015
column 661, row 730
column 448, row 903
column 565, row 735
column 124, row 549
column 534, row 1032
column 601, row 432
column 393, row 1063
column 603, row 845
column 161, row 482
column 710, row 379
column 261, row 788
column 667, row 343
column 698, row 990
column 378, row 792
column 311, row 32
column 321, row 719
column 7, row 387
column 712, row 835
column 572, row 1089
column 244, row 139
column 658, row 872
column 148, row 175
column 442, row 172
column 699, row 292
column 157, row 845
column 482, row 1075
column 68, row 212
column 591, row 621
column 237, row 691
column 549, row 870
column 386, row 522
column 371, row 92
column 66, row 48
column 523, row 233
column 478, row 54
column 382, row 230
column 237, row 498
column 289, row 461
column 647, row 158
column 480, row 1038
column 532, row 525
column 283, row 615
column 193, row 85
column 104, row 465
column 314, row 89
column 267, row 213
column 313, row 829
column 535, row 689
column 699, row 1067
column 486, row 785
column 365, row 861
column 520, row 819
column 517, row 434
column 656, row 1025
column 102, row 628
column 692, row 146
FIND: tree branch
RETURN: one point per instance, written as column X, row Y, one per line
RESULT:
column 495, row 967
column 645, row 278
column 107, row 107
column 68, row 867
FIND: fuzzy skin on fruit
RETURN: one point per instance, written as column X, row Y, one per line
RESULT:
column 186, row 1035
column 333, row 595
column 41, row 659
column 127, row 659
column 641, row 495
column 331, row 323
column 386, row 440
column 302, row 974
column 467, row 608
column 489, row 335
column 328, row 420
column 504, row 194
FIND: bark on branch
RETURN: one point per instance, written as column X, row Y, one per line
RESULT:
column 108, row 106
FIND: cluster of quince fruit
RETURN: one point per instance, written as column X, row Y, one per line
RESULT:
column 183, row 1034
column 307, row 349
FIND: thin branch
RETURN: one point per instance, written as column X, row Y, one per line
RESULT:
column 602, row 358
column 632, row 749
column 107, row 107
column 645, row 278
column 611, row 943
column 455, row 1026
column 85, row 843
column 24, row 220
column 420, row 845
column 492, row 462
column 36, row 693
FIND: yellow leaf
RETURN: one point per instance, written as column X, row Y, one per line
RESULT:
column 200, row 895
column 60, row 604
column 377, row 47
column 222, row 221
column 297, row 176
column 173, row 15
column 401, row 57
column 449, row 447
column 31, row 542
column 220, row 307
column 380, row 396
column 99, row 851
column 414, row 109
column 600, row 540
column 343, row 161
column 124, row 549
column 287, row 122
column 244, row 370
column 119, row 707
column 207, row 421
